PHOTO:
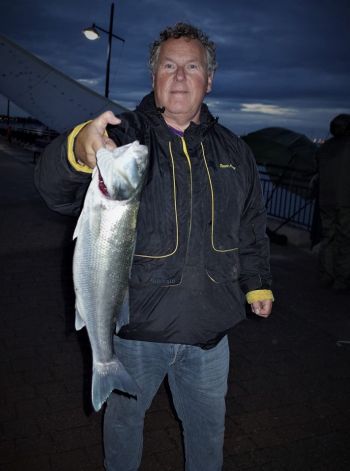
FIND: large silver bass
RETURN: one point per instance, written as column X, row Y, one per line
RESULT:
column 102, row 259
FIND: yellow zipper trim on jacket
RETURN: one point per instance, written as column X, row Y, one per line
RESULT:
column 175, row 209
column 213, row 207
column 184, row 148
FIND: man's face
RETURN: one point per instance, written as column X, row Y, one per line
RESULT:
column 181, row 80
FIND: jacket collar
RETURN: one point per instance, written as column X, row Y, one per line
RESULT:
column 195, row 132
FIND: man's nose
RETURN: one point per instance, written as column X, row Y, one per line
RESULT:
column 180, row 73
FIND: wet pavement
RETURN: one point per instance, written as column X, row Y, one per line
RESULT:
column 288, row 405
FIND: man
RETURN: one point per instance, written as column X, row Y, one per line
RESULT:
column 201, row 244
column 334, row 202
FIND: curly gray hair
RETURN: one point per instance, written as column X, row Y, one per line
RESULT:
column 183, row 30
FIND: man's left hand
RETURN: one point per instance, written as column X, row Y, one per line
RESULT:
column 262, row 308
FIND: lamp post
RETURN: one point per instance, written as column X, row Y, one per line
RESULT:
column 92, row 34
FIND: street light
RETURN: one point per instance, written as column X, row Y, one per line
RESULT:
column 92, row 34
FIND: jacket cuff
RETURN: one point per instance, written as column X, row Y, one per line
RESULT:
column 70, row 150
column 259, row 295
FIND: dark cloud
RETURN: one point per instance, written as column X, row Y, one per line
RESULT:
column 290, row 57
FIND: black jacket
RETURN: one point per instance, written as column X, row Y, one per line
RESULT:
column 334, row 172
column 201, row 239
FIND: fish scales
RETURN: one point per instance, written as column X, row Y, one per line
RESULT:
column 105, row 233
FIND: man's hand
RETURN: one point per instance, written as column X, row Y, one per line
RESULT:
column 262, row 308
column 92, row 137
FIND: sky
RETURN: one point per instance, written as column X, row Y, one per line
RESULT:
column 281, row 63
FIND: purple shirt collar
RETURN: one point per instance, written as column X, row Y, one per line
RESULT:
column 176, row 131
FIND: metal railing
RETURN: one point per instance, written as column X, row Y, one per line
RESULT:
column 37, row 138
column 289, row 196
column 33, row 138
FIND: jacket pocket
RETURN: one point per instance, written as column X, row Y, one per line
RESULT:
column 223, row 267
column 154, row 272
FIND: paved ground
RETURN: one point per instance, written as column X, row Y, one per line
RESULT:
column 288, row 406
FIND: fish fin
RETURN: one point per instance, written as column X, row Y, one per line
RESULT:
column 110, row 376
column 123, row 315
column 78, row 226
column 79, row 322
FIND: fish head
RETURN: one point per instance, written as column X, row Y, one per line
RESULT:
column 123, row 169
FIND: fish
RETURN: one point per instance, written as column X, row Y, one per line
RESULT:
column 105, row 236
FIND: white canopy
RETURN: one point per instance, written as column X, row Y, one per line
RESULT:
column 45, row 93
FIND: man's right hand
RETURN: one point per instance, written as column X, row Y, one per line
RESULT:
column 92, row 137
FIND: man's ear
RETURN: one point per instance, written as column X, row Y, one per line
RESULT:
column 210, row 82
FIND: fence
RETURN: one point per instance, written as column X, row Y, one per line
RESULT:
column 32, row 138
column 36, row 138
column 289, row 196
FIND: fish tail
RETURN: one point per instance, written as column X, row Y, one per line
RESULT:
column 109, row 376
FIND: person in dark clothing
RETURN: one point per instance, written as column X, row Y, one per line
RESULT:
column 334, row 202
column 201, row 249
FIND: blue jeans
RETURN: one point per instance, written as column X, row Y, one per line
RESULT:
column 198, row 383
